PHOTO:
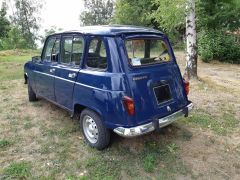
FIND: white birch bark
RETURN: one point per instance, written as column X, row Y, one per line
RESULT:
column 191, row 59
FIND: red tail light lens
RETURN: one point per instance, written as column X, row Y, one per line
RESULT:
column 129, row 105
column 186, row 86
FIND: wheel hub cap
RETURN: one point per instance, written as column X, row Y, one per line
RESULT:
column 90, row 129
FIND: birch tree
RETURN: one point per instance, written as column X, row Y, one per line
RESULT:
column 191, row 40
column 172, row 15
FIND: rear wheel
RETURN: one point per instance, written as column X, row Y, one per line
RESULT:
column 95, row 133
column 31, row 94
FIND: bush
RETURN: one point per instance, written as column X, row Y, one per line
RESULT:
column 218, row 45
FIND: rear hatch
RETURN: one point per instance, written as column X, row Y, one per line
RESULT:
column 154, row 77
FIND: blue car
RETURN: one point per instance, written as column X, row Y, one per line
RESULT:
column 123, row 79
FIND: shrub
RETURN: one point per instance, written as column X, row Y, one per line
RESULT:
column 218, row 45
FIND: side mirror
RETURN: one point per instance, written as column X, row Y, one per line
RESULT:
column 36, row 58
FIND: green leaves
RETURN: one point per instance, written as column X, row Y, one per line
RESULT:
column 26, row 19
column 216, row 44
column 218, row 14
column 170, row 14
column 97, row 12
column 4, row 22
column 134, row 12
column 22, row 29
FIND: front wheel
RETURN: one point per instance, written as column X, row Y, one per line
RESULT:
column 95, row 133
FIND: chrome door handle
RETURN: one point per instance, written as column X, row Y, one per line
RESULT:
column 52, row 70
column 72, row 75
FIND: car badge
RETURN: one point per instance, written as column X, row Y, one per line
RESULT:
column 169, row 109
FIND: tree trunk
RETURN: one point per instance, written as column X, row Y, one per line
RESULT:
column 191, row 63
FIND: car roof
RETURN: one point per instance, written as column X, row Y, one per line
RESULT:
column 112, row 30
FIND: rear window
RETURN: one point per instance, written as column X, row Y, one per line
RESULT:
column 146, row 51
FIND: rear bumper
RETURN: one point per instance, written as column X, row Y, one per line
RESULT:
column 156, row 124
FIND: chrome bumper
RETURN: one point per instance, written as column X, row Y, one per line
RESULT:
column 146, row 128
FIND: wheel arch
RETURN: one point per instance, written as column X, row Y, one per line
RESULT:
column 78, row 108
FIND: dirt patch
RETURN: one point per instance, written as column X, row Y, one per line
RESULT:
column 216, row 92
column 211, row 156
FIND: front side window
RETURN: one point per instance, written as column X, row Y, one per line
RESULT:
column 72, row 50
column 97, row 56
column 56, row 50
column 147, row 51
column 51, row 52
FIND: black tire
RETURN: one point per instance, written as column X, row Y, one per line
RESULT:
column 31, row 94
column 103, row 133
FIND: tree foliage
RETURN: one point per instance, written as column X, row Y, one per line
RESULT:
column 21, row 31
column 135, row 12
column 26, row 19
column 170, row 14
column 98, row 12
column 217, row 21
column 216, row 44
column 218, row 14
column 15, row 40
column 4, row 22
column 47, row 32
column 212, row 17
column 164, row 15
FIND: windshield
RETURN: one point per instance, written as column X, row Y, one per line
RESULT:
column 146, row 51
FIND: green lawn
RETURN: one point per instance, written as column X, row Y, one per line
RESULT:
column 12, row 62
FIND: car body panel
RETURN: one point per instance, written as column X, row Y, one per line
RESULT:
column 65, row 78
column 44, row 79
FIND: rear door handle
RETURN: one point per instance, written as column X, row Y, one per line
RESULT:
column 52, row 70
column 72, row 75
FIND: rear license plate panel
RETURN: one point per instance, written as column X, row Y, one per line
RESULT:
column 162, row 93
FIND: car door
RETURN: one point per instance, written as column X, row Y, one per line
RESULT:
column 67, row 69
column 45, row 69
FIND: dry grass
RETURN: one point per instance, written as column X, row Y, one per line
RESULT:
column 40, row 141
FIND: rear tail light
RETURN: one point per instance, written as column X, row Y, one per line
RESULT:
column 186, row 86
column 129, row 105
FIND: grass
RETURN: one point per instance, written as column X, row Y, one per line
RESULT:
column 102, row 168
column 221, row 125
column 12, row 62
column 21, row 170
column 61, row 132
column 41, row 141
column 156, row 159
column 4, row 143
column 149, row 161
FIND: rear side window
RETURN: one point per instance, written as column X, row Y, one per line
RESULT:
column 72, row 50
column 67, row 50
column 97, row 56
column 77, row 50
column 51, row 52
column 147, row 51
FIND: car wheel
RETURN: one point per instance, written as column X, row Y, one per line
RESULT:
column 31, row 94
column 95, row 133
